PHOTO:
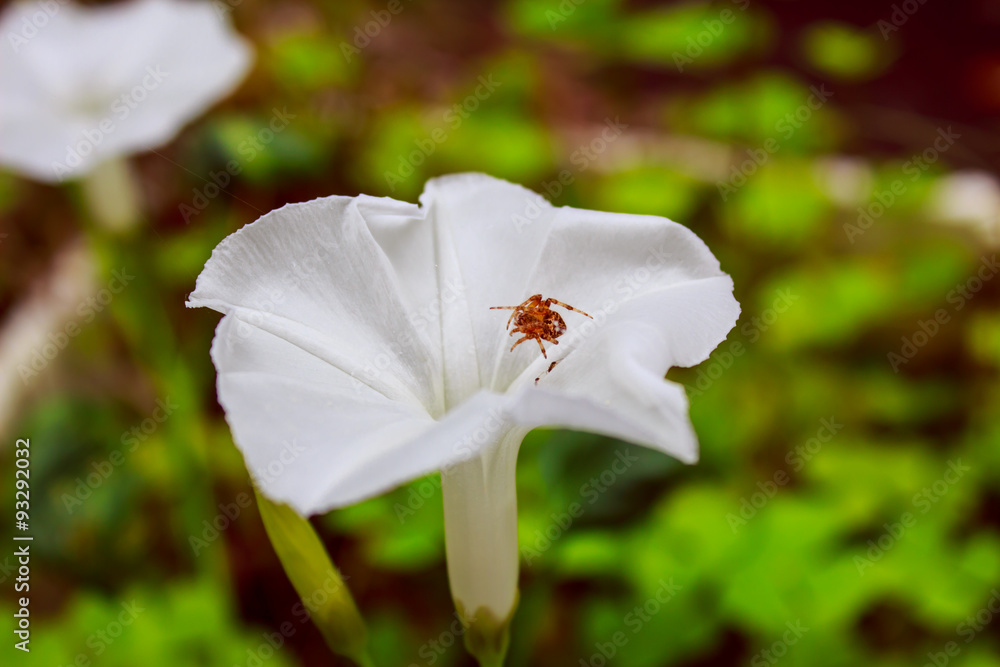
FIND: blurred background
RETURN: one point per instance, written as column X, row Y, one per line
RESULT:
column 841, row 160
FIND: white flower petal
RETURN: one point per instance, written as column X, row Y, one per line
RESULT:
column 598, row 262
column 302, row 423
column 95, row 83
column 489, row 237
column 315, row 437
column 406, row 237
column 657, row 292
column 308, row 283
column 612, row 382
column 511, row 244
column 312, row 273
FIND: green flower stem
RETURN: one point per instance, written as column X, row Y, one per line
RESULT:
column 112, row 196
column 316, row 580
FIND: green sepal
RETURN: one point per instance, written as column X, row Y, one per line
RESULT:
column 316, row 579
column 486, row 636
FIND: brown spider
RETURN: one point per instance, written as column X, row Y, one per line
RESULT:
column 537, row 321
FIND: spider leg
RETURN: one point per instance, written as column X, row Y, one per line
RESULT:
column 519, row 341
column 568, row 307
column 518, row 330
column 524, row 303
column 551, row 366
column 514, row 308
column 533, row 300
column 541, row 347
column 530, row 337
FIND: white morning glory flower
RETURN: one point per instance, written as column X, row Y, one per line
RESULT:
column 359, row 350
column 81, row 85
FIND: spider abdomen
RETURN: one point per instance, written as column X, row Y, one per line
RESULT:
column 554, row 324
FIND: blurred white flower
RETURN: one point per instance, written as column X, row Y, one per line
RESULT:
column 360, row 330
column 972, row 199
column 81, row 85
column 846, row 180
column 33, row 332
